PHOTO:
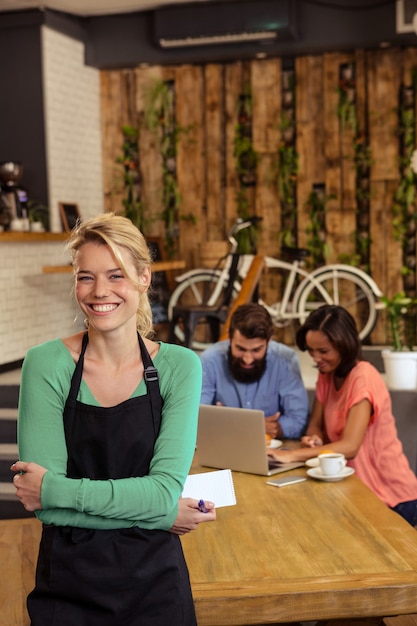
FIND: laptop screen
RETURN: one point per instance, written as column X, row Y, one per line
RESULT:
column 234, row 438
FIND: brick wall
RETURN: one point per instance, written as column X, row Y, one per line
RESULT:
column 73, row 133
column 35, row 307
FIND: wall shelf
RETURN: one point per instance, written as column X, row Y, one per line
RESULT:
column 26, row 237
column 158, row 266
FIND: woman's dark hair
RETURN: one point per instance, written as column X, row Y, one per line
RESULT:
column 339, row 327
column 252, row 321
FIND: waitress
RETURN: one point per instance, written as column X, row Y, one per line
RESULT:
column 107, row 429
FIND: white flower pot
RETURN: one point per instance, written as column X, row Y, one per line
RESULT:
column 400, row 369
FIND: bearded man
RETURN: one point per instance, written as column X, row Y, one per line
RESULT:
column 250, row 370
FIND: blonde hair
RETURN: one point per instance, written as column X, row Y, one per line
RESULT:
column 118, row 232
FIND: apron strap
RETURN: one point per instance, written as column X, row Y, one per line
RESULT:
column 78, row 372
column 150, row 374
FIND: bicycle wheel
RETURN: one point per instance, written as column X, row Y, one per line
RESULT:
column 197, row 289
column 341, row 287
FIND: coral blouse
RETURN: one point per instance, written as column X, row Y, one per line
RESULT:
column 380, row 462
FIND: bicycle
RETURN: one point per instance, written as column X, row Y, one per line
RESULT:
column 302, row 291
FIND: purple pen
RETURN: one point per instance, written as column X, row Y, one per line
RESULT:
column 202, row 506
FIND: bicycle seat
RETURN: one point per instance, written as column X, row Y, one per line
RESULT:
column 295, row 254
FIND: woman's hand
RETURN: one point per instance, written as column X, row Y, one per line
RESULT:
column 28, row 483
column 189, row 515
column 284, row 456
column 311, row 441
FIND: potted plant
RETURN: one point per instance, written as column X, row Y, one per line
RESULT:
column 38, row 214
column 400, row 362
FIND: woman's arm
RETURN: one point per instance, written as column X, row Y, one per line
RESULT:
column 293, row 398
column 150, row 501
column 349, row 444
column 314, row 433
column 28, row 488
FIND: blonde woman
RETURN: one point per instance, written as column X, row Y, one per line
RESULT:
column 107, row 428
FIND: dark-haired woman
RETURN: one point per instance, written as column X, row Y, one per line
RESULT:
column 352, row 411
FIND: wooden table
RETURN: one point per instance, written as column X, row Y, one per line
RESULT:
column 307, row 551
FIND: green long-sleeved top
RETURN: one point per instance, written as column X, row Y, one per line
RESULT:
column 150, row 501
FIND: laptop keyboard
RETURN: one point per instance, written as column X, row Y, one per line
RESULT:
column 273, row 463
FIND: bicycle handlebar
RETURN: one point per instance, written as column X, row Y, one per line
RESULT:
column 241, row 224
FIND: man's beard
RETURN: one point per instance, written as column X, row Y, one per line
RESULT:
column 244, row 375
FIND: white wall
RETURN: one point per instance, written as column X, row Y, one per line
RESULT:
column 72, row 121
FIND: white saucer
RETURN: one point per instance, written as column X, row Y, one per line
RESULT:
column 313, row 462
column 275, row 443
column 315, row 472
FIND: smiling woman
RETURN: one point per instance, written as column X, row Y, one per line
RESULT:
column 352, row 412
column 107, row 432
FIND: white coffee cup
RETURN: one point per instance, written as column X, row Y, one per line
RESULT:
column 331, row 463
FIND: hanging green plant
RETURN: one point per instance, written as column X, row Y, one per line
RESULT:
column 363, row 155
column 246, row 164
column 404, row 201
column 244, row 152
column 286, row 163
column 287, row 169
column 133, row 206
column 363, row 242
column 363, row 161
column 159, row 118
column 247, row 238
column 159, row 105
column 346, row 110
column 246, row 158
column 316, row 228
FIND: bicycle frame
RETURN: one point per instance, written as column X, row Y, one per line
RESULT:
column 284, row 309
column 221, row 276
column 302, row 290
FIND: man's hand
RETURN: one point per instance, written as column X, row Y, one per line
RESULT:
column 273, row 427
column 28, row 483
column 189, row 515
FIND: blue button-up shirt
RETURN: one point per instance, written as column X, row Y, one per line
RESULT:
column 280, row 388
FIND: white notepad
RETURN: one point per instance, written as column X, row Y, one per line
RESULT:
column 214, row 486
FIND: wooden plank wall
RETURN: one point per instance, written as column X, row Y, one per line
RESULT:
column 207, row 100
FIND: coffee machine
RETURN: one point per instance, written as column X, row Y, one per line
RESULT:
column 13, row 197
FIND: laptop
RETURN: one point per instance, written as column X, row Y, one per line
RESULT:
column 230, row 438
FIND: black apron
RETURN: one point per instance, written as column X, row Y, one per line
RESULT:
column 124, row 577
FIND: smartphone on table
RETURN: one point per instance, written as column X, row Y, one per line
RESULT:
column 285, row 480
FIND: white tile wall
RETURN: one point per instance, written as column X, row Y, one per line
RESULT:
column 34, row 307
column 72, row 121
